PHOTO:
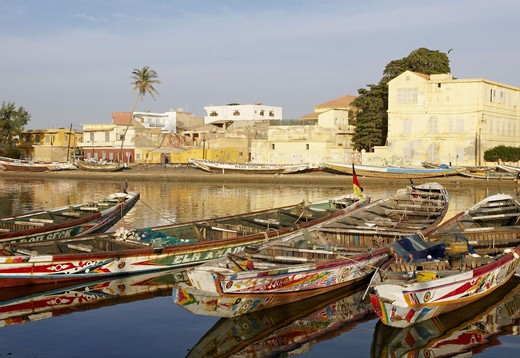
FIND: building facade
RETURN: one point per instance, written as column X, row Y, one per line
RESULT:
column 50, row 145
column 322, row 136
column 440, row 119
column 241, row 112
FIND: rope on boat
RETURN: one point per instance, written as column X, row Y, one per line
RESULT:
column 163, row 217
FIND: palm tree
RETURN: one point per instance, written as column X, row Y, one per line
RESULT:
column 144, row 81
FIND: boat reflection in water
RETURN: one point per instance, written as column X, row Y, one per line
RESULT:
column 36, row 302
column 290, row 328
column 467, row 331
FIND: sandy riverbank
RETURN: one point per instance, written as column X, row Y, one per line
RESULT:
column 189, row 174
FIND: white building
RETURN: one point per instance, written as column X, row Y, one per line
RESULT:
column 241, row 112
column 167, row 121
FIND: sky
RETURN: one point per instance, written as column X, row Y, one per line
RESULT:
column 70, row 62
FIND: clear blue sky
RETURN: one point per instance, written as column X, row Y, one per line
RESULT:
column 70, row 61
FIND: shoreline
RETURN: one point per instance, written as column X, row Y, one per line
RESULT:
column 190, row 174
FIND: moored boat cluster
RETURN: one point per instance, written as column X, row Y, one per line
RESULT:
column 412, row 263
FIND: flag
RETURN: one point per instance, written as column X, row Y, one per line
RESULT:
column 357, row 189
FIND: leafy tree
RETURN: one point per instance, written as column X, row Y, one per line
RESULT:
column 12, row 122
column 372, row 104
column 501, row 152
column 144, row 81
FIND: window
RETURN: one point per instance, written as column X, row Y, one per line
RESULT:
column 91, row 137
column 236, row 113
column 262, row 112
column 407, row 126
column 407, row 95
column 271, row 113
column 432, row 124
column 213, row 114
column 273, row 146
column 307, row 146
column 107, row 137
column 492, row 94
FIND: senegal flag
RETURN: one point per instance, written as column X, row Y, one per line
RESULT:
column 357, row 189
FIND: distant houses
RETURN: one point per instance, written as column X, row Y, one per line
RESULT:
column 431, row 118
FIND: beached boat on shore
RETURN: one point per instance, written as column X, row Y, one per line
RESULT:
column 19, row 165
column 409, row 292
column 489, row 175
column 160, row 248
column 372, row 171
column 247, row 168
column 67, row 221
column 490, row 226
column 100, row 166
column 318, row 260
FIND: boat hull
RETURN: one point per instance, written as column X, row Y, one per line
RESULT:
column 247, row 168
column 82, row 220
column 404, row 304
column 227, row 295
column 390, row 172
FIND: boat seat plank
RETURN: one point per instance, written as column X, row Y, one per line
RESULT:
column 71, row 214
column 29, row 223
column 45, row 221
column 89, row 208
column 279, row 258
column 495, row 216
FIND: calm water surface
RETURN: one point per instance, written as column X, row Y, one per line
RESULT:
column 135, row 317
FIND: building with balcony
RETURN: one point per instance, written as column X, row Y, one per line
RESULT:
column 234, row 112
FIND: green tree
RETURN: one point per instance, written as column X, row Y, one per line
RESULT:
column 501, row 152
column 12, row 122
column 144, row 80
column 372, row 103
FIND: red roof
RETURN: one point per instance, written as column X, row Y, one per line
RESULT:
column 340, row 102
column 122, row 118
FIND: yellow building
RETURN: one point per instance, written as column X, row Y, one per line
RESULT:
column 437, row 118
column 59, row 144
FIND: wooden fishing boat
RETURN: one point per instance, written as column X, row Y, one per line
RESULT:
column 462, row 332
column 417, row 208
column 25, row 166
column 33, row 303
column 491, row 225
column 406, row 293
column 508, row 168
column 247, row 168
column 67, row 221
column 100, row 166
column 318, row 260
column 294, row 327
column 489, row 175
column 160, row 248
column 390, row 172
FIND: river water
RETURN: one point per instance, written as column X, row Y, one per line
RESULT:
column 134, row 317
